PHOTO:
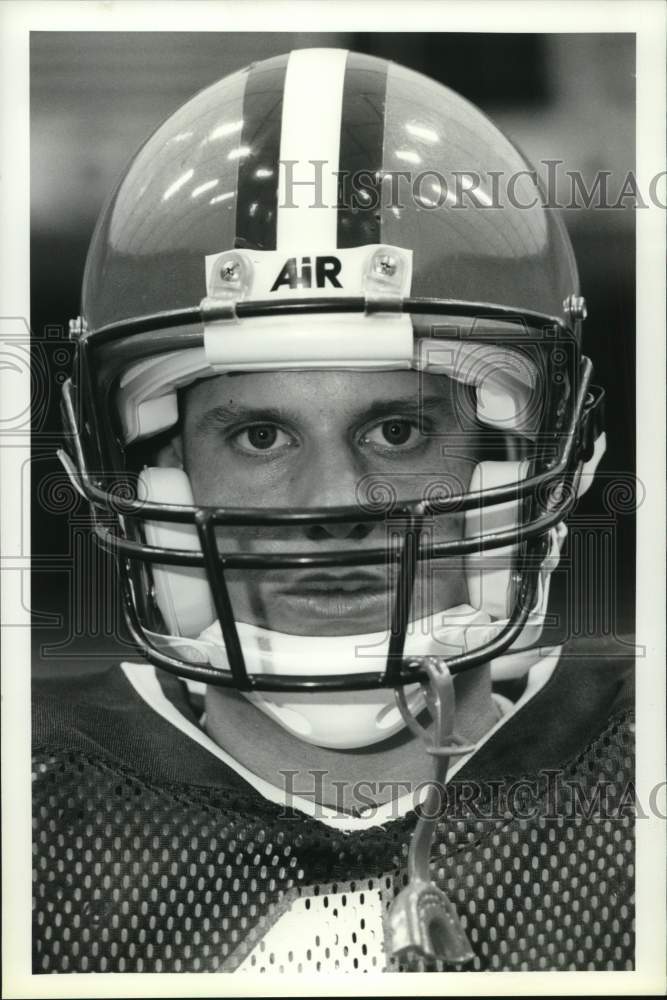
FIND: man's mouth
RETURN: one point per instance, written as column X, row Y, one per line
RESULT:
column 327, row 583
column 340, row 596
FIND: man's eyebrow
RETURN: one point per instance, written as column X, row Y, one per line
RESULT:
column 223, row 414
column 232, row 413
column 411, row 406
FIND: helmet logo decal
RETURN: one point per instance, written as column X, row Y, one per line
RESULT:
column 324, row 271
column 294, row 276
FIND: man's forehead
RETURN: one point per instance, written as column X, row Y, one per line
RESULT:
column 341, row 386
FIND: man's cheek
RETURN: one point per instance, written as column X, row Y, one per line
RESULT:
column 213, row 481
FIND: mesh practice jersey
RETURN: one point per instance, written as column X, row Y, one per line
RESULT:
column 151, row 854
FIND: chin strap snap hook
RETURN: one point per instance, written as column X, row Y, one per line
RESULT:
column 422, row 919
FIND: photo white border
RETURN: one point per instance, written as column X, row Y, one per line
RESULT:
column 646, row 18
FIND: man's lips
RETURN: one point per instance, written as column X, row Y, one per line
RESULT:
column 334, row 597
column 331, row 584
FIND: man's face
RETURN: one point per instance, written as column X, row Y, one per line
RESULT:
column 327, row 439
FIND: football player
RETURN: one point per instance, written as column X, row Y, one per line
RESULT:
column 331, row 410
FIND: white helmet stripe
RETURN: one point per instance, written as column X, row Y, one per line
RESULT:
column 311, row 121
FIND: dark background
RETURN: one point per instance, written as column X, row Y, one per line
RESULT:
column 96, row 96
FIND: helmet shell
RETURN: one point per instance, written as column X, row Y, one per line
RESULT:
column 402, row 149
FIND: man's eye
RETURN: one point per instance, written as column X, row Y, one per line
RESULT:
column 395, row 433
column 262, row 437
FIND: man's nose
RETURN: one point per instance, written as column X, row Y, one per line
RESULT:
column 331, row 480
column 352, row 531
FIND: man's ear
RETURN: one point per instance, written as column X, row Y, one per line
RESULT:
column 170, row 454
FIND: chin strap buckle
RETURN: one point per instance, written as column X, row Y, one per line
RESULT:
column 439, row 739
column 422, row 918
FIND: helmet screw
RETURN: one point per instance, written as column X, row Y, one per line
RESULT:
column 385, row 264
column 76, row 327
column 575, row 307
column 229, row 270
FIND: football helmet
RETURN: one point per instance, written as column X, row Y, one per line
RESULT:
column 325, row 210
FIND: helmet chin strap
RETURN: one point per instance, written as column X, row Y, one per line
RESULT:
column 422, row 918
column 344, row 720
